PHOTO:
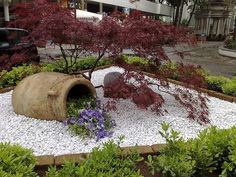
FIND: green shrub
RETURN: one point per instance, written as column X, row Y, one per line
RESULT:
column 16, row 161
column 136, row 60
column 88, row 62
column 170, row 69
column 12, row 77
column 81, row 64
column 108, row 161
column 230, row 44
column 216, row 82
column 229, row 88
column 213, row 151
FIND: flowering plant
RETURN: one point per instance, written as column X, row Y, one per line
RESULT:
column 92, row 121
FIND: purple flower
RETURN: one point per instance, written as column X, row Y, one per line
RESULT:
column 101, row 134
column 96, row 121
column 72, row 120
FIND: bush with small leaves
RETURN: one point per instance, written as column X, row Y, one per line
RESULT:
column 212, row 152
column 174, row 160
column 16, row 161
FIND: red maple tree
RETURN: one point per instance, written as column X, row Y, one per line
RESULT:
column 145, row 37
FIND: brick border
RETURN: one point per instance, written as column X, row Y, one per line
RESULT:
column 48, row 160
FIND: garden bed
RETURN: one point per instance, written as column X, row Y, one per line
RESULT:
column 139, row 126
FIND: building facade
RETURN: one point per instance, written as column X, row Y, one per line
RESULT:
column 151, row 8
column 215, row 20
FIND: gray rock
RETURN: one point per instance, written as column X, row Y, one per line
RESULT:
column 110, row 77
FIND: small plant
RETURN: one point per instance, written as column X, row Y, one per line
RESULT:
column 88, row 118
column 16, row 161
column 216, row 82
column 108, row 161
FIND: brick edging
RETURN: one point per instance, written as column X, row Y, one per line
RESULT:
column 7, row 89
column 48, row 160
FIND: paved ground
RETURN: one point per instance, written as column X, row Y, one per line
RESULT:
column 205, row 54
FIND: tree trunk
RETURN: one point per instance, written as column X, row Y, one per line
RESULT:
column 192, row 12
column 176, row 15
column 234, row 35
column 180, row 12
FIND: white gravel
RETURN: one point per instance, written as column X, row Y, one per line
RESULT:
column 138, row 126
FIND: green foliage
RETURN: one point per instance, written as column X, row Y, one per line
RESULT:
column 229, row 88
column 108, row 161
column 216, row 82
column 230, row 44
column 212, row 151
column 16, row 161
column 229, row 166
column 12, row 77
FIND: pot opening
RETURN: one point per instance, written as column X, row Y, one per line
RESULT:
column 79, row 91
column 78, row 98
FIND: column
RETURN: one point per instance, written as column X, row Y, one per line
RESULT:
column 6, row 10
column 100, row 8
column 82, row 5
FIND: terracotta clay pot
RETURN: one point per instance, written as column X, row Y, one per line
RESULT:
column 44, row 95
